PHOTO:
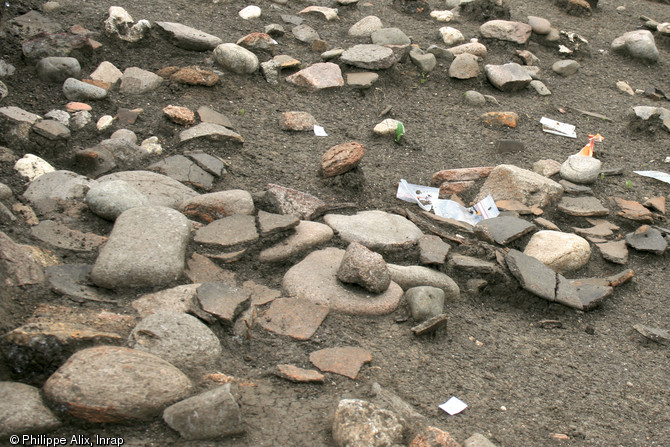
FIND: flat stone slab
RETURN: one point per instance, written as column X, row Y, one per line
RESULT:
column 582, row 206
column 655, row 334
column 271, row 223
column 633, row 210
column 532, row 274
column 184, row 170
column 228, row 231
column 18, row 115
column 472, row 264
column 431, row 325
column 298, row 375
column 296, row 317
column 377, row 230
column 211, row 414
column 315, row 279
column 648, row 239
column 61, row 236
column 72, row 281
column 37, row 348
column 209, row 115
column 211, row 164
column 580, row 294
column 146, row 247
column 201, row 269
column 177, row 299
column 346, row 361
column 575, row 189
column 602, row 228
column 222, row 300
column 160, row 190
column 433, row 250
column 509, row 182
column 22, row 410
column 614, row 251
column 189, row 38
column 369, row 57
column 503, row 229
column 318, row 76
column 307, row 235
column 209, row 132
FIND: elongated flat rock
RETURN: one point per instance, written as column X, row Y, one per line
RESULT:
column 307, row 234
column 228, row 231
column 582, row 206
column 375, row 229
column 210, row 132
column 189, row 38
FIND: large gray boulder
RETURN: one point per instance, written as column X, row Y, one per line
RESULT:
column 146, row 248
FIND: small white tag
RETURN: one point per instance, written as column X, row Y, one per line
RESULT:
column 320, row 131
column 454, row 406
column 558, row 128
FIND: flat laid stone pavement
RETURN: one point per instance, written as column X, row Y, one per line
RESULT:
column 315, row 279
column 503, row 229
column 201, row 269
column 177, row 299
column 582, row 206
column 61, row 236
column 296, row 317
column 648, row 239
column 346, row 361
column 377, row 230
column 307, row 235
column 533, row 276
column 224, row 301
column 72, row 281
column 184, row 170
column 271, row 223
column 228, row 231
column 614, row 251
